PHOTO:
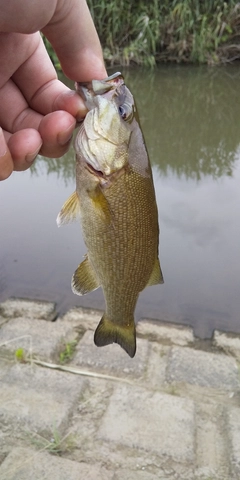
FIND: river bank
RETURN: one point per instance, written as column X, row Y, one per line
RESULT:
column 71, row 411
column 187, row 31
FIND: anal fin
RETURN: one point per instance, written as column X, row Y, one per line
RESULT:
column 84, row 279
column 156, row 276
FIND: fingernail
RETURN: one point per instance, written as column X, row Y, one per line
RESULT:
column 3, row 145
column 30, row 157
column 65, row 137
column 81, row 115
column 79, row 118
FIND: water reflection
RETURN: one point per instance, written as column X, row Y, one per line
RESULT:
column 64, row 167
column 190, row 118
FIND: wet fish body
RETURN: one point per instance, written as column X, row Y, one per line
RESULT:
column 116, row 202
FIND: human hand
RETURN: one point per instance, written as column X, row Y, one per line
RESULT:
column 38, row 113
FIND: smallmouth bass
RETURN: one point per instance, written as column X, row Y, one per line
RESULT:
column 115, row 200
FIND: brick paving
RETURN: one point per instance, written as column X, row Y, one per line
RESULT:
column 171, row 413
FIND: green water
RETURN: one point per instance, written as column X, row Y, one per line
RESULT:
column 191, row 121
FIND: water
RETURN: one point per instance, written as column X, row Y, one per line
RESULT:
column 191, row 121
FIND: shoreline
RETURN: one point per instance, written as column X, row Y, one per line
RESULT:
column 78, row 411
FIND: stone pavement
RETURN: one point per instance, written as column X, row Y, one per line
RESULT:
column 72, row 411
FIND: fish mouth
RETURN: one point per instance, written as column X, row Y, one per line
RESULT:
column 107, row 87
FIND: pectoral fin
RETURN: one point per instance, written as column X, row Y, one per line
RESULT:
column 70, row 210
column 84, row 279
column 156, row 276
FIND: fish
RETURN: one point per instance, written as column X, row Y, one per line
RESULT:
column 115, row 201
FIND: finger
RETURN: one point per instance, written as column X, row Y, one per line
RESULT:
column 52, row 140
column 68, row 26
column 24, row 147
column 56, row 131
column 15, row 113
column 15, row 49
column 72, row 33
column 41, row 88
column 14, row 18
column 6, row 162
column 55, row 128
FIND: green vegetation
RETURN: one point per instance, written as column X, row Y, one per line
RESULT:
column 57, row 445
column 145, row 33
column 68, row 352
column 20, row 355
column 129, row 30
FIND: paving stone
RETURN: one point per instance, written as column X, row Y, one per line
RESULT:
column 227, row 341
column 143, row 419
column 111, row 357
column 144, row 434
column 17, row 307
column 212, row 456
column 167, row 333
column 234, row 437
column 38, row 399
column 36, row 337
column 26, row 464
column 4, row 369
column 139, row 475
column 157, row 365
column 3, row 320
column 83, row 318
column 202, row 368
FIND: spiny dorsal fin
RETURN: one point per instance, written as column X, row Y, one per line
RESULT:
column 156, row 276
column 108, row 332
column 69, row 211
column 84, row 279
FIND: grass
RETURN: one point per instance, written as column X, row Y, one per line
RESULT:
column 20, row 355
column 65, row 355
column 198, row 29
column 128, row 30
column 145, row 33
column 68, row 352
column 57, row 445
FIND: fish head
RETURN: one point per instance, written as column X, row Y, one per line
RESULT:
column 103, row 139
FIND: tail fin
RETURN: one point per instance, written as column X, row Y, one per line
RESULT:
column 108, row 332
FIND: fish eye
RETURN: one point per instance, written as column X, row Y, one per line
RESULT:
column 122, row 112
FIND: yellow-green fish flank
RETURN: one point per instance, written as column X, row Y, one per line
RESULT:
column 115, row 199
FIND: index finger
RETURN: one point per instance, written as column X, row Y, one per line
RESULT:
column 72, row 33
